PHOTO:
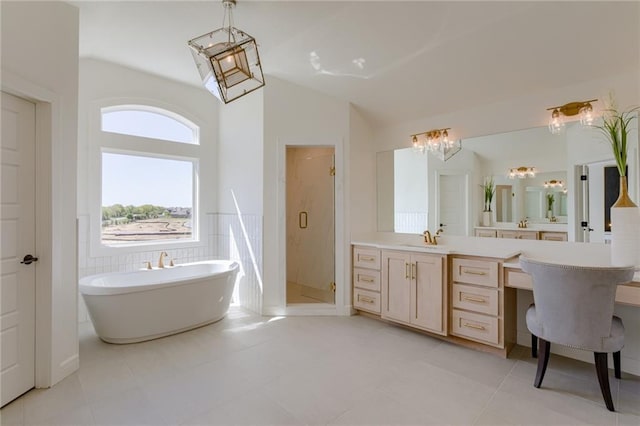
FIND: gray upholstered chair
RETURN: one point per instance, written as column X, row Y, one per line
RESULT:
column 573, row 306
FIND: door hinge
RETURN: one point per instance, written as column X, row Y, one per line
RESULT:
column 332, row 171
column 332, row 286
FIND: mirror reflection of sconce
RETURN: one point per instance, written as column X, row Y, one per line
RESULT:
column 584, row 108
column 522, row 172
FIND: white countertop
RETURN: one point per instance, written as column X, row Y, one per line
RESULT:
column 566, row 253
column 538, row 227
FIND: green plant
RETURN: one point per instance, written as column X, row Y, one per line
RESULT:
column 616, row 127
column 550, row 201
column 489, row 189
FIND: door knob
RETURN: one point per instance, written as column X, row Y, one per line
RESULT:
column 29, row 259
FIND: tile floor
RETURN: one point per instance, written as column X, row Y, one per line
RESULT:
column 248, row 369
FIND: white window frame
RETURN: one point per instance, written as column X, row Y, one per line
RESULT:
column 140, row 146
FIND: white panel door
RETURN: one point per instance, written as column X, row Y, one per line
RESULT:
column 452, row 204
column 17, row 229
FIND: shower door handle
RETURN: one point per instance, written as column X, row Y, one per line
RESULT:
column 302, row 220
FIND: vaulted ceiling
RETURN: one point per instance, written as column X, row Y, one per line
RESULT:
column 394, row 60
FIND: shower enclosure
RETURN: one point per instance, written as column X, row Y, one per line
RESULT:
column 310, row 210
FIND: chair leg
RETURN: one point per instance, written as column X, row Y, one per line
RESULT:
column 603, row 377
column 616, row 364
column 543, row 360
column 534, row 346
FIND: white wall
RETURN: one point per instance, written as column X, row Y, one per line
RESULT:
column 40, row 63
column 360, row 173
column 294, row 115
column 240, row 193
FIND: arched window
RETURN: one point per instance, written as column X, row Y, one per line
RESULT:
column 148, row 122
column 149, row 191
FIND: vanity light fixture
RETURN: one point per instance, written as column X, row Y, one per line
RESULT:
column 584, row 108
column 522, row 172
column 554, row 184
column 227, row 59
column 437, row 142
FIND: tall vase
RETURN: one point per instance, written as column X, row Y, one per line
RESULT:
column 486, row 218
column 625, row 220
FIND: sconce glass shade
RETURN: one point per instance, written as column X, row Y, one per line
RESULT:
column 436, row 142
column 556, row 124
column 586, row 115
column 228, row 62
column 522, row 172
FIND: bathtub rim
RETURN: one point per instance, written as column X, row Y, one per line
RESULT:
column 86, row 287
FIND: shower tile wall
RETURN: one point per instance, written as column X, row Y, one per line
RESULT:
column 225, row 240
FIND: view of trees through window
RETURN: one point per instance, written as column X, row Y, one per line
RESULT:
column 146, row 198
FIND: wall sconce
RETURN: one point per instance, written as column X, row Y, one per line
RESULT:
column 554, row 184
column 584, row 108
column 437, row 142
column 522, row 172
column 227, row 59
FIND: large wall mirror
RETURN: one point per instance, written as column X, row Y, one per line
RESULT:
column 409, row 197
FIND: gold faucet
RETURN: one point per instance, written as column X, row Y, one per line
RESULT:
column 431, row 240
column 161, row 260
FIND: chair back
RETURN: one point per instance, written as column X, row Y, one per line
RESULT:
column 574, row 304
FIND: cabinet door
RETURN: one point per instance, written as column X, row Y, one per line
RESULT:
column 507, row 234
column 427, row 290
column 528, row 235
column 396, row 286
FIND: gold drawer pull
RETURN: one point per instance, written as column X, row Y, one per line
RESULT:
column 366, row 299
column 366, row 258
column 474, row 272
column 477, row 327
column 365, row 279
column 474, row 299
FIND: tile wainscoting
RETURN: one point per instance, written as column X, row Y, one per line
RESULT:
column 228, row 237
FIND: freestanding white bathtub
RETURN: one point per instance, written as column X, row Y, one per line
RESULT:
column 128, row 307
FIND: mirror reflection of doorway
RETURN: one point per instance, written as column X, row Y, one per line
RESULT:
column 310, row 225
column 452, row 204
column 504, row 204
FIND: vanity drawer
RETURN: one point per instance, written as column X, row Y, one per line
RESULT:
column 367, row 279
column 476, row 299
column 480, row 272
column 553, row 236
column 366, row 258
column 517, row 279
column 486, row 233
column 366, row 300
column 478, row 327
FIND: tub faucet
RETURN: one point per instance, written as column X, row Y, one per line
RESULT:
column 161, row 260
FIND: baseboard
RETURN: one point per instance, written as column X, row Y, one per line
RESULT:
column 66, row 368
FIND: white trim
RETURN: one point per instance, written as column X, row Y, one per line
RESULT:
column 47, row 131
column 342, row 301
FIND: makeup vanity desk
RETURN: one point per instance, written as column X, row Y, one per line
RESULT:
column 464, row 289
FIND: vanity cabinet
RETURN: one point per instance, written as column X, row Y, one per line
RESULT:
column 478, row 301
column 366, row 279
column 517, row 234
column 413, row 290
